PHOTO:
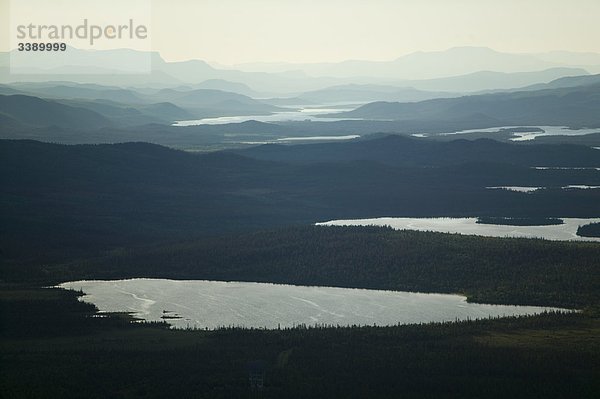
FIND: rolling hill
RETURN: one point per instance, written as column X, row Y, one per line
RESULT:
column 406, row 151
column 33, row 111
column 87, row 198
column 572, row 106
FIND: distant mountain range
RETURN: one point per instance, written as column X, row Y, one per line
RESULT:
column 488, row 80
column 455, row 86
column 576, row 106
column 436, row 64
column 121, row 106
column 464, row 69
column 83, row 113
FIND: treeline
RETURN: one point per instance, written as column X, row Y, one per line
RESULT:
column 519, row 221
column 486, row 269
column 498, row 358
column 27, row 312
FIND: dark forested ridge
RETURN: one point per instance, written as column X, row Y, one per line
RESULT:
column 407, row 151
column 59, row 200
column 519, row 221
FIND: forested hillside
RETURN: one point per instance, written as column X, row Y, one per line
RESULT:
column 60, row 201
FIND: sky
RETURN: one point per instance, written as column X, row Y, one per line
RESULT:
column 229, row 32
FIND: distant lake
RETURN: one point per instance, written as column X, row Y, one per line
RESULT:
column 306, row 139
column 565, row 232
column 293, row 115
column 213, row 304
column 518, row 189
column 524, row 136
column 529, row 189
column 566, row 167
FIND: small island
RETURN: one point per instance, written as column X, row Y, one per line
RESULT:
column 523, row 129
column 509, row 221
column 589, row 230
column 170, row 315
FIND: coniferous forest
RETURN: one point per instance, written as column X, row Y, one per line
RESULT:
column 393, row 172
column 137, row 210
column 58, row 346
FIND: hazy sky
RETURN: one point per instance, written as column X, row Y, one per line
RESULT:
column 238, row 31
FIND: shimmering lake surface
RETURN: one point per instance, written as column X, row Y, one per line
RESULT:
column 292, row 115
column 563, row 232
column 518, row 189
column 306, row 139
column 213, row 304
column 521, row 189
column 527, row 136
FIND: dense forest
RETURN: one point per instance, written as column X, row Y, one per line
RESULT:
column 141, row 210
column 61, row 201
column 491, row 270
column 519, row 221
column 402, row 151
column 60, row 350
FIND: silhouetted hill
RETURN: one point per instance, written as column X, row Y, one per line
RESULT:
column 7, row 90
column 133, row 115
column 574, row 106
column 366, row 93
column 491, row 80
column 33, row 111
column 225, row 85
column 569, row 81
column 406, row 151
column 421, row 65
column 74, row 91
column 166, row 111
column 214, row 102
column 62, row 200
column 590, row 140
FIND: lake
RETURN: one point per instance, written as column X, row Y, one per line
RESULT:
column 305, row 139
column 565, row 167
column 562, row 232
column 524, row 136
column 518, row 189
column 213, row 304
column 529, row 189
column 292, row 115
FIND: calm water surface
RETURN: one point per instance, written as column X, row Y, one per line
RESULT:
column 284, row 116
column 524, row 136
column 563, row 232
column 212, row 304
